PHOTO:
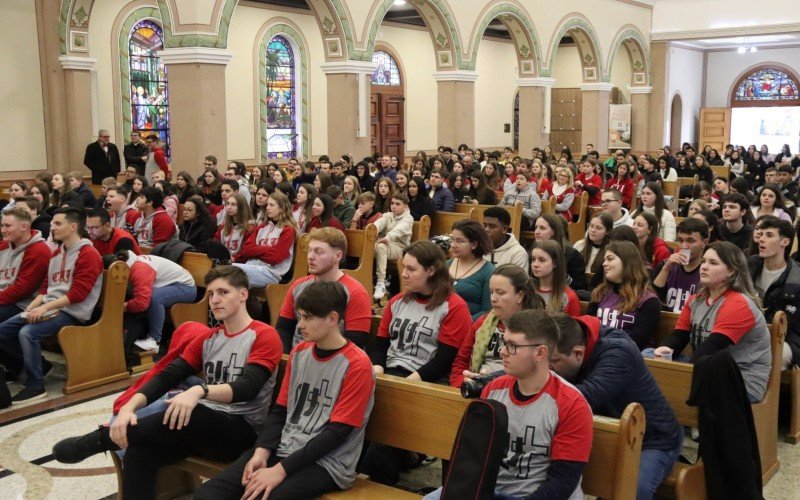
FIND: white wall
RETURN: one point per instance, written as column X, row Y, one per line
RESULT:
column 495, row 90
column 414, row 50
column 685, row 75
column 688, row 15
column 22, row 117
column 567, row 69
column 724, row 69
column 621, row 74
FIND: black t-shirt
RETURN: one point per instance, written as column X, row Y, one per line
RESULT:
column 741, row 239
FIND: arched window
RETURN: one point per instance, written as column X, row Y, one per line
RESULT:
column 148, row 76
column 282, row 132
column 386, row 73
column 766, row 86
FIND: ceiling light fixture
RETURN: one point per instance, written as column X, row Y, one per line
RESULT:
column 743, row 50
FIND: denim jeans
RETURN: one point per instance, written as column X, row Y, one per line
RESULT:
column 258, row 276
column 19, row 341
column 654, row 466
column 162, row 298
column 437, row 495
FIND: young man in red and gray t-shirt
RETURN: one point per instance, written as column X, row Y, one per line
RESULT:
column 67, row 297
column 24, row 258
column 312, row 437
column 549, row 421
column 216, row 419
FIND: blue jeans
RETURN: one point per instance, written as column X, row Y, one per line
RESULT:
column 258, row 276
column 162, row 298
column 20, row 341
column 437, row 495
column 654, row 466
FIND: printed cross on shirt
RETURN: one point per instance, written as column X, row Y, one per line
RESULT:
column 518, row 461
column 219, row 373
column 313, row 400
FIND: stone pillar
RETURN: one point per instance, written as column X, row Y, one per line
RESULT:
column 640, row 121
column 659, row 71
column 78, row 98
column 349, row 107
column 594, row 114
column 197, row 110
column 456, row 107
column 534, row 113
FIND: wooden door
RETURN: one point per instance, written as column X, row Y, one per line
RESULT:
column 715, row 128
column 392, row 137
column 375, row 123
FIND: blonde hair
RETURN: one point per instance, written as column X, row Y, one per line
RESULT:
column 571, row 181
column 356, row 188
column 285, row 218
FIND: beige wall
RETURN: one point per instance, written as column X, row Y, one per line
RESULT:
column 567, row 70
column 685, row 77
column 241, row 81
column 621, row 74
column 688, row 15
column 414, row 49
column 22, row 117
column 494, row 94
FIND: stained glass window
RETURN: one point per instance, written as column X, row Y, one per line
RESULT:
column 282, row 133
column 767, row 85
column 386, row 73
column 149, row 93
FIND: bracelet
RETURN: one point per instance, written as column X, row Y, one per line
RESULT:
column 205, row 390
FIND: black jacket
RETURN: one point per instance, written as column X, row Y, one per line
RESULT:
column 87, row 196
column 782, row 295
column 728, row 442
column 614, row 374
column 576, row 269
column 133, row 155
column 195, row 232
column 99, row 163
column 42, row 224
column 420, row 206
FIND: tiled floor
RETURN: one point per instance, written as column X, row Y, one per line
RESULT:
column 27, row 469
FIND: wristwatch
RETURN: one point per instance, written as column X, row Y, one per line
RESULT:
column 205, row 390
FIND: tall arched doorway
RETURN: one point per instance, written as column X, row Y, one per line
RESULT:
column 675, row 121
column 387, row 107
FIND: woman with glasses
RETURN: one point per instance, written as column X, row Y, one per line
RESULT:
column 420, row 334
column 563, row 191
column 469, row 270
column 511, row 291
column 198, row 226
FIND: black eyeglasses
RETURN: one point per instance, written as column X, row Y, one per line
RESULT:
column 512, row 347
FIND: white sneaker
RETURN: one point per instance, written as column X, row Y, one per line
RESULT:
column 380, row 290
column 148, row 344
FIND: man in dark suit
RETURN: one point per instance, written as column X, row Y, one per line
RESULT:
column 102, row 158
column 136, row 152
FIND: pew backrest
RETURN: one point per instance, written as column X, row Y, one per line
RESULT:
column 442, row 222
column 361, row 245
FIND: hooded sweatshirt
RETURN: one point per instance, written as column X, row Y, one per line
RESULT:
column 149, row 272
column 613, row 375
column 22, row 270
column 156, row 228
column 76, row 273
column 510, row 252
column 625, row 220
column 270, row 246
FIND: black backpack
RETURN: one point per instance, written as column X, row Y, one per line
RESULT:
column 5, row 395
column 480, row 446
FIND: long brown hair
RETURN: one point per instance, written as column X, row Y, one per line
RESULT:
column 734, row 259
column 243, row 217
column 285, row 218
column 428, row 254
column 653, row 223
column 521, row 282
column 635, row 281
column 556, row 253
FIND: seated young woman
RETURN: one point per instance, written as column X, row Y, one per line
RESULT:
column 653, row 202
column 420, row 334
column 563, row 191
column 624, row 299
column 238, row 225
column 302, row 208
column 322, row 214
column 258, row 205
column 267, row 254
column 596, row 239
column 512, row 291
column 198, row 226
column 725, row 314
column 623, row 183
column 419, row 202
column 652, row 248
column 550, row 278
column 468, row 268
column 551, row 227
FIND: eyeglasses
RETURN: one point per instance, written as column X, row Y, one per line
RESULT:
column 208, row 164
column 512, row 347
column 606, row 202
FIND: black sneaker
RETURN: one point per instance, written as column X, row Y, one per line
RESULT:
column 27, row 395
column 77, row 449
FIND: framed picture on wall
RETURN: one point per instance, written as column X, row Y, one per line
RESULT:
column 638, row 79
column 334, row 47
column 590, row 73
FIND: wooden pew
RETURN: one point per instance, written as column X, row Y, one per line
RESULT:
column 721, row 171
column 95, row 354
column 549, row 205
column 790, row 380
column 198, row 265
column 361, row 245
column 575, row 230
column 674, row 379
column 274, row 294
column 515, row 212
column 442, row 222
column 400, row 405
column 684, row 181
column 420, row 231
